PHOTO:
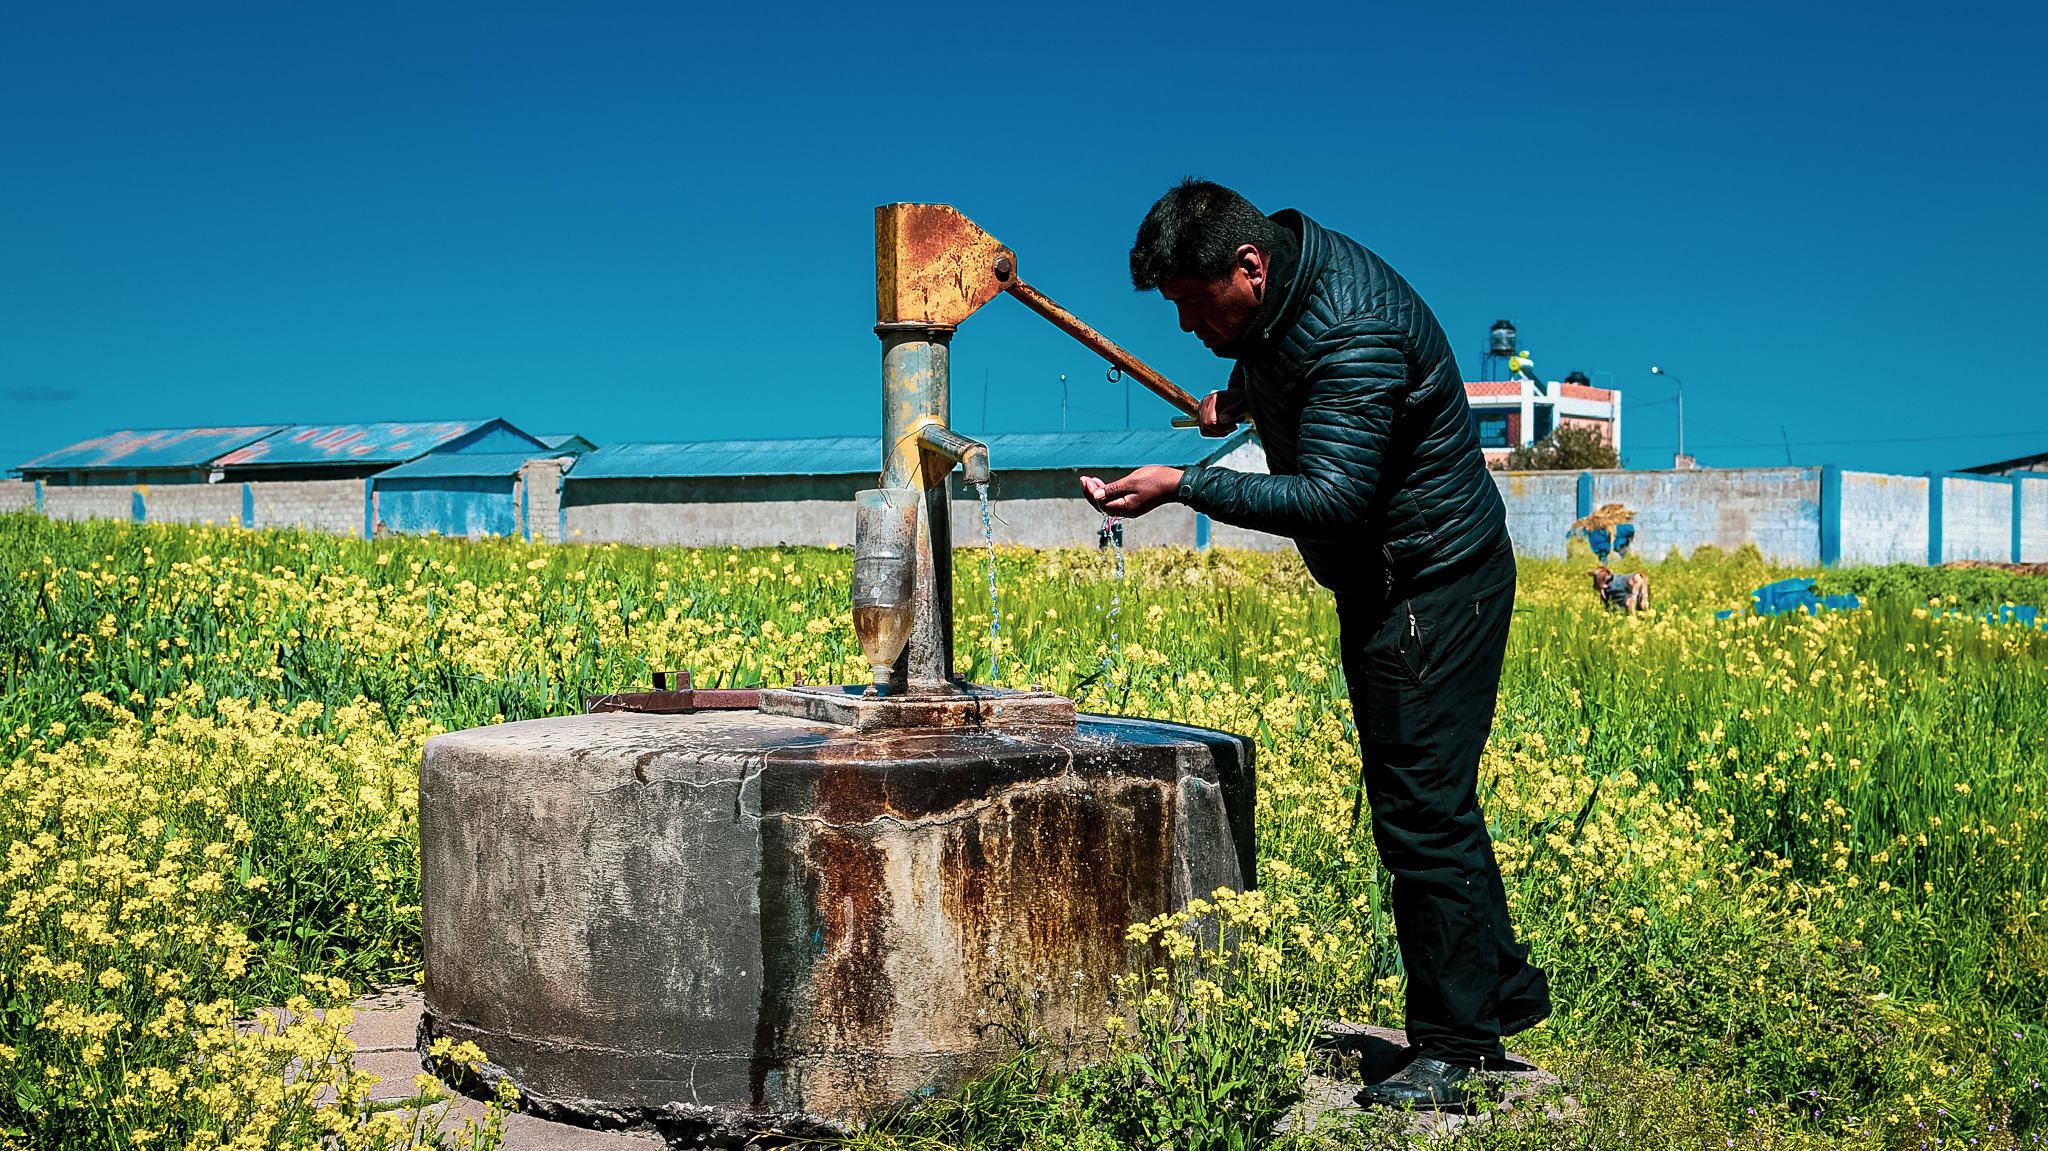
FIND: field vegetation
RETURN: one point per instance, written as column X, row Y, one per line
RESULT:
column 1787, row 874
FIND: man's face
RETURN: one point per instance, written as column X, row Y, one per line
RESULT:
column 1219, row 311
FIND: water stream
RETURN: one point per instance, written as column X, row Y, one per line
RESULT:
column 995, row 607
column 1114, row 528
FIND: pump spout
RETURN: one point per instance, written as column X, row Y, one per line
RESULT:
column 972, row 455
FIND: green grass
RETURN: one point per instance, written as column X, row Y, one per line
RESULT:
column 1787, row 874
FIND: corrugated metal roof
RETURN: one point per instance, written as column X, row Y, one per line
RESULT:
column 568, row 442
column 351, row 443
column 822, row 456
column 1063, row 451
column 859, row 455
column 150, row 448
column 442, row 464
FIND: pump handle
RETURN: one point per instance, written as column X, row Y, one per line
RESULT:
column 1101, row 345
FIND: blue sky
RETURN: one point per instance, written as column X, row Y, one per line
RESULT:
column 653, row 221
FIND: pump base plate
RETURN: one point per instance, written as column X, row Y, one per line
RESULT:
column 970, row 705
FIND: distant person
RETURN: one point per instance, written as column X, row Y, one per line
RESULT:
column 1111, row 531
column 1378, row 477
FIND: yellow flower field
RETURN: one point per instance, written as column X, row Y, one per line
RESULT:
column 1794, row 863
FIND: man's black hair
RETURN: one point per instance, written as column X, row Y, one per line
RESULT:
column 1195, row 230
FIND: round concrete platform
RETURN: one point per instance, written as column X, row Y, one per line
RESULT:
column 737, row 921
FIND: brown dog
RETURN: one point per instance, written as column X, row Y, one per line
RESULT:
column 1629, row 592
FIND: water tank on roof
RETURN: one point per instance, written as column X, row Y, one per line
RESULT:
column 1503, row 339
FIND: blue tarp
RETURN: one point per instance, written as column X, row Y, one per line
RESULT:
column 1789, row 595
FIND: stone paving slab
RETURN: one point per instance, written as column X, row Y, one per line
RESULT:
column 387, row 1023
column 385, row 1033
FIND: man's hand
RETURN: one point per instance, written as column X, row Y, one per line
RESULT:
column 1220, row 413
column 1135, row 494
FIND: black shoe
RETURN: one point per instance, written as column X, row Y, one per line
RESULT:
column 1425, row 1084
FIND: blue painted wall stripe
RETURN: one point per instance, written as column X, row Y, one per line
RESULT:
column 1934, row 493
column 248, row 506
column 138, row 505
column 39, row 497
column 1585, row 494
column 370, row 508
column 1201, row 532
column 525, row 517
column 1830, row 514
column 2018, row 506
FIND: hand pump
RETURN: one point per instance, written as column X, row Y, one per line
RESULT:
column 933, row 269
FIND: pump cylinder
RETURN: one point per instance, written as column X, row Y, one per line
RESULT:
column 917, row 390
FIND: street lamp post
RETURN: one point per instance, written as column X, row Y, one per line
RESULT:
column 1683, row 460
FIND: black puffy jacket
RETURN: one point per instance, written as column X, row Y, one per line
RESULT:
column 1375, row 463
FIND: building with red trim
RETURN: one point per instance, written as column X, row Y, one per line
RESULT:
column 1509, row 414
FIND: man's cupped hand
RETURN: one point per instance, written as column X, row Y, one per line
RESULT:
column 1135, row 494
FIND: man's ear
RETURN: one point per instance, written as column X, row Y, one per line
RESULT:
column 1251, row 263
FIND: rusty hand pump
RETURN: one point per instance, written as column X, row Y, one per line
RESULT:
column 933, row 269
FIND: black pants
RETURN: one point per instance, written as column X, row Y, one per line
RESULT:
column 1424, row 665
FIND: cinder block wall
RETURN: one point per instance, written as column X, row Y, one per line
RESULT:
column 541, row 484
column 219, row 504
column 1976, row 520
column 17, row 496
column 1226, row 536
column 1777, row 509
column 791, row 523
column 2033, row 519
column 97, row 502
column 1877, row 519
column 1541, row 508
column 1884, row 519
column 1055, row 523
column 320, row 505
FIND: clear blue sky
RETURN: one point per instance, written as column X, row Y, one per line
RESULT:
column 653, row 221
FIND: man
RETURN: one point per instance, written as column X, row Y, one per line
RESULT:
column 1378, row 477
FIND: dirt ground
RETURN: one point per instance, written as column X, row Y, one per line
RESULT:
column 387, row 1021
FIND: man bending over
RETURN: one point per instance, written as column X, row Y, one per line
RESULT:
column 1378, row 477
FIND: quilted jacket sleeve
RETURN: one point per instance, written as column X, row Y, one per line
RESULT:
column 1346, row 420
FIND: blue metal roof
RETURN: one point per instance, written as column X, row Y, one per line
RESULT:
column 361, row 443
column 443, row 464
column 148, row 448
column 860, row 455
column 823, row 456
column 570, row 442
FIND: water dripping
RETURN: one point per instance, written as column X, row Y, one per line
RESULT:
column 1113, row 531
column 995, row 607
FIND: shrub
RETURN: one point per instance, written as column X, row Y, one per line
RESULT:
column 1568, row 448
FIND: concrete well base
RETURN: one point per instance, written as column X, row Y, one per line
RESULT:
column 730, row 921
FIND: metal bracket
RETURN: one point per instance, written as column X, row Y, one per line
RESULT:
column 680, row 701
